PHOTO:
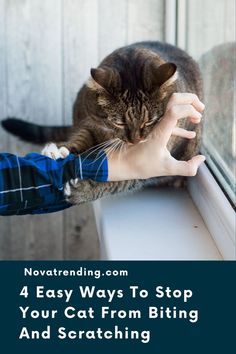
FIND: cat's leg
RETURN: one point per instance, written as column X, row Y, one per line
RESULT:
column 79, row 142
column 77, row 191
column 166, row 181
column 80, row 191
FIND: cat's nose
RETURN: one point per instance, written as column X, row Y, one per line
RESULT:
column 134, row 141
column 137, row 140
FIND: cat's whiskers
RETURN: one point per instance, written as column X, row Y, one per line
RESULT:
column 105, row 157
column 113, row 148
column 118, row 148
column 105, row 148
column 109, row 152
column 92, row 147
column 97, row 147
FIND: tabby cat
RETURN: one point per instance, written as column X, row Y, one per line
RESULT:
column 122, row 101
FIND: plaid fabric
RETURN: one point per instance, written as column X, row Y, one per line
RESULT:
column 34, row 184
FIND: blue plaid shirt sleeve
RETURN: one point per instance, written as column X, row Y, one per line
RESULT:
column 34, row 184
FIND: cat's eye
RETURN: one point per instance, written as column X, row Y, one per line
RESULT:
column 151, row 122
column 119, row 124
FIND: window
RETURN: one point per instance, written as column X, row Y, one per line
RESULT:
column 206, row 29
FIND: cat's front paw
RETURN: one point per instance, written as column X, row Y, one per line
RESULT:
column 52, row 151
column 69, row 186
column 78, row 191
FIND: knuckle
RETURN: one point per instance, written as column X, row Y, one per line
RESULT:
column 174, row 97
column 173, row 111
column 194, row 96
column 191, row 171
column 191, row 96
column 192, row 110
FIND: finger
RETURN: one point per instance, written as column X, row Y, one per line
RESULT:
column 195, row 120
column 183, row 133
column 185, row 98
column 170, row 118
column 187, row 168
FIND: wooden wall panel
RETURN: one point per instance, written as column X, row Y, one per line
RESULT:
column 47, row 49
column 5, row 244
column 112, row 26
column 80, row 47
column 145, row 20
column 80, row 53
column 33, row 32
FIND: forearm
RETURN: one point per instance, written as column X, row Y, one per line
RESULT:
column 35, row 183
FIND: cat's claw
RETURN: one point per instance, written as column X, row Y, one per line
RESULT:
column 67, row 190
column 52, row 151
column 68, row 185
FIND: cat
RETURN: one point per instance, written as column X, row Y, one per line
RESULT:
column 124, row 98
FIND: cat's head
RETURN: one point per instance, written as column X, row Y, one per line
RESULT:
column 132, row 98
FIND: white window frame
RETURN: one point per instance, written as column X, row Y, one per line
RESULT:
column 217, row 214
column 214, row 207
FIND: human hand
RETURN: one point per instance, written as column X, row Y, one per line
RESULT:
column 152, row 158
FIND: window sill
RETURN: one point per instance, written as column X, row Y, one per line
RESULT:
column 163, row 225
column 216, row 211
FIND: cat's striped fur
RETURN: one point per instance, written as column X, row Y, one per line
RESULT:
column 124, row 98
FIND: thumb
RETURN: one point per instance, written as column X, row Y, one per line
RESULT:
column 188, row 168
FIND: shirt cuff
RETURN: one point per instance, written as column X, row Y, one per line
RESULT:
column 92, row 166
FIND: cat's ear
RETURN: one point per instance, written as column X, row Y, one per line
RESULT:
column 156, row 76
column 167, row 74
column 105, row 78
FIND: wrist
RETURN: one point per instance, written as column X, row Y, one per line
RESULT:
column 122, row 166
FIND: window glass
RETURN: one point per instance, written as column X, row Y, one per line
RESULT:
column 210, row 39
